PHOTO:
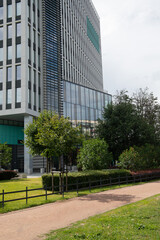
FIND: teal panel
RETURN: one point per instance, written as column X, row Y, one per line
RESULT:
column 11, row 134
column 93, row 36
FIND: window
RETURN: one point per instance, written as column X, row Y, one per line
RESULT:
column 1, row 54
column 18, row 95
column 18, row 72
column 9, row 31
column 9, row 11
column 18, row 8
column 1, row 97
column 1, row 75
column 9, row 74
column 1, row 12
column 9, row 96
column 9, row 52
column 18, row 51
column 1, row 33
column 18, row 29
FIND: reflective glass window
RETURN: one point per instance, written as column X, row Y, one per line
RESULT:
column 18, row 72
column 106, row 100
column 77, row 94
column 1, row 33
column 73, row 93
column 1, row 97
column 9, row 74
column 18, row 51
column 18, row 95
column 99, row 100
column 79, row 116
column 68, row 92
column 64, row 109
column 9, row 31
column 95, row 99
column 18, row 29
column 9, row 11
column 1, row 74
column 73, row 112
column 9, row 52
column 1, row 12
column 1, row 54
column 87, row 96
column 29, row 96
column 83, row 113
column 91, row 98
column 18, row 8
column 69, row 110
column 9, row 96
column 92, row 114
column 82, row 96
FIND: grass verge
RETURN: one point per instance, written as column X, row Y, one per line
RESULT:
column 32, row 183
column 138, row 221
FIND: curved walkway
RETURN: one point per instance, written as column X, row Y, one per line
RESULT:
column 28, row 224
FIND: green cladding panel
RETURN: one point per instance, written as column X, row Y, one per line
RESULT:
column 93, row 36
column 11, row 134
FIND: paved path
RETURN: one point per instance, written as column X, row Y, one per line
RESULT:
column 28, row 224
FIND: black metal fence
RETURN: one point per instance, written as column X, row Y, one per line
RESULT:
column 79, row 186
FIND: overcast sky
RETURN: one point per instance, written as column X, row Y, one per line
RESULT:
column 130, row 32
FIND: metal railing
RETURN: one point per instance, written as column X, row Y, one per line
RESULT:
column 79, row 186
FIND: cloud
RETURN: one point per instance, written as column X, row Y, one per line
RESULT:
column 130, row 32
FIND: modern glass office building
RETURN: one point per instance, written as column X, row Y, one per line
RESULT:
column 50, row 58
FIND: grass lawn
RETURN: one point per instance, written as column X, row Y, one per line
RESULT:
column 138, row 221
column 32, row 183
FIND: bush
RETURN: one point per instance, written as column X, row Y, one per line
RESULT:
column 130, row 159
column 7, row 175
column 94, row 155
column 84, row 177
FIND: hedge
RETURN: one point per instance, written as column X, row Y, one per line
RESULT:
column 83, row 178
column 7, row 174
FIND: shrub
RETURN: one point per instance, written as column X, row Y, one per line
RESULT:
column 130, row 159
column 7, row 175
column 94, row 155
column 84, row 177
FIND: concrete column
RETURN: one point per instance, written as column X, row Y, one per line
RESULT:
column 28, row 160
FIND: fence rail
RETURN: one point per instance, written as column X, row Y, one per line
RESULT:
column 79, row 186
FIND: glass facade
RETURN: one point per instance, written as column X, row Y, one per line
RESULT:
column 52, row 55
column 84, row 105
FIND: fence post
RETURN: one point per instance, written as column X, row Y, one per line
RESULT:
column 140, row 178
column 3, row 198
column 77, row 187
column 26, row 195
column 46, row 191
column 134, row 178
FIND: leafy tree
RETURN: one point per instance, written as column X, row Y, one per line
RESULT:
column 5, row 155
column 50, row 135
column 122, row 127
column 150, row 156
column 130, row 159
column 94, row 155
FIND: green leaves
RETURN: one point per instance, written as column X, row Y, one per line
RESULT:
column 94, row 155
column 5, row 155
column 50, row 135
column 130, row 121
